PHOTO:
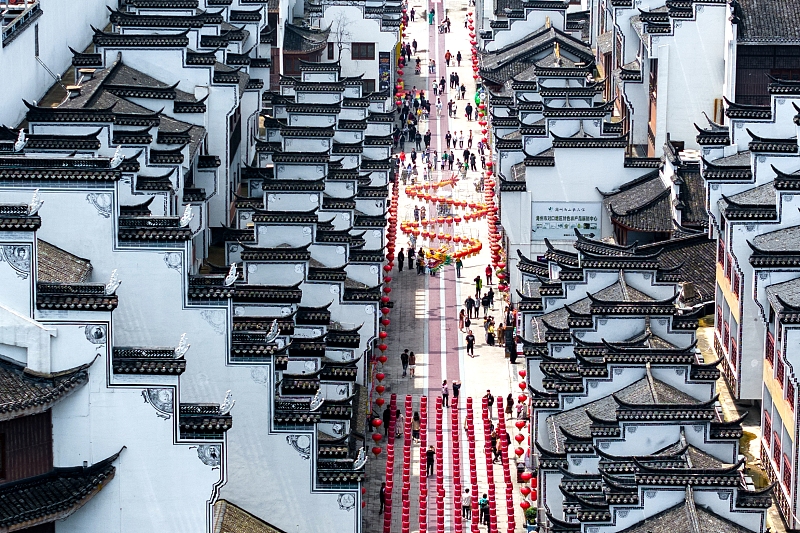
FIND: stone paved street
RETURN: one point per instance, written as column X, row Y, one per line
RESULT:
column 425, row 315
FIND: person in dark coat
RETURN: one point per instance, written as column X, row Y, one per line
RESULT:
column 401, row 259
column 387, row 417
column 410, row 259
column 382, row 497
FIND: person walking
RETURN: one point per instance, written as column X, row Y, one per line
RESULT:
column 461, row 139
column 488, row 274
column 501, row 335
column 430, row 457
column 413, row 12
column 472, row 162
column 414, row 46
column 485, row 305
column 483, row 505
column 404, row 361
column 448, row 135
column 462, row 315
column 490, row 294
column 469, row 303
column 494, row 439
column 459, row 266
column 445, row 394
column 489, row 401
column 410, row 258
column 415, row 426
column 438, row 106
column 416, row 219
column 509, row 405
column 470, row 343
column 431, row 17
column 456, row 391
column 427, row 139
column 420, row 262
column 466, row 505
column 458, row 58
column 412, row 364
column 387, row 417
column 463, row 90
column 468, row 110
column 478, row 286
column 469, row 140
column 401, row 259
column 451, row 160
column 417, row 142
column 382, row 497
column 447, row 57
column 399, row 424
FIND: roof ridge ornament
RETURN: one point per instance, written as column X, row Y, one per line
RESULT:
column 230, row 279
column 117, row 158
column 21, row 141
column 316, row 401
column 227, row 404
column 35, row 204
column 182, row 347
column 187, row 216
column 361, row 459
column 273, row 332
column 113, row 283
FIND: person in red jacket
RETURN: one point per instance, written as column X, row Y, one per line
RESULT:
column 488, row 274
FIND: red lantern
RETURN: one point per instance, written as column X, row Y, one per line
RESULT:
column 523, row 373
column 520, row 423
column 377, row 450
column 383, row 334
column 380, row 376
column 383, row 347
column 387, row 290
column 524, row 504
column 385, row 310
column 377, row 422
column 534, row 482
column 382, row 358
column 534, row 494
column 519, row 437
column 526, row 476
column 385, row 321
column 387, row 279
column 387, row 268
column 385, row 299
column 522, row 398
column 376, row 437
column 519, row 451
column 380, row 390
column 525, row 491
column 380, row 402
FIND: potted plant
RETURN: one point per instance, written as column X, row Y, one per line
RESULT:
column 530, row 519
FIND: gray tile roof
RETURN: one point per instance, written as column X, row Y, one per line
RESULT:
column 578, row 423
column 772, row 21
column 679, row 518
column 644, row 204
column 789, row 292
column 782, row 240
column 59, row 266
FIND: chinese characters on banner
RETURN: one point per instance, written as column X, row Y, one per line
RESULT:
column 558, row 220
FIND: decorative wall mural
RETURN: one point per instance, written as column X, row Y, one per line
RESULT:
column 95, row 333
column 173, row 260
column 210, row 454
column 347, row 502
column 338, row 428
column 301, row 443
column 215, row 319
column 18, row 257
column 259, row 375
column 162, row 401
column 102, row 202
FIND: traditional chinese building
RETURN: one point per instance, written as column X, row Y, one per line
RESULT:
column 252, row 236
column 624, row 419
